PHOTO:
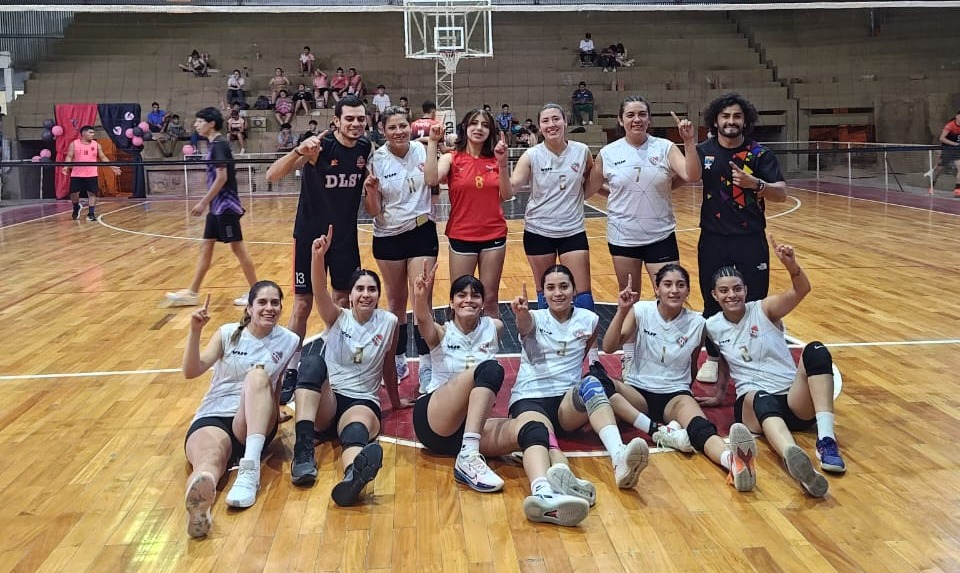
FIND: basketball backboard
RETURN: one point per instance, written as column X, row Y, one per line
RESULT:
column 432, row 27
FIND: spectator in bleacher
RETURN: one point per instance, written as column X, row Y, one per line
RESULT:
column 420, row 129
column 156, row 118
column 285, row 141
column 278, row 82
column 235, row 85
column 382, row 100
column 527, row 137
column 608, row 58
column 487, row 108
column 237, row 128
column 306, row 61
column 621, row 55
column 355, row 83
column 172, row 133
column 196, row 64
column 310, row 132
column 949, row 153
column 321, row 91
column 588, row 52
column 338, row 86
column 405, row 104
column 283, row 107
column 505, row 119
column 582, row 103
column 302, row 98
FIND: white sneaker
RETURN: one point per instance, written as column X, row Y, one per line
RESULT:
column 244, row 490
column 201, row 492
column 556, row 508
column 472, row 470
column 425, row 373
column 673, row 436
column 183, row 298
column 709, row 372
column 242, row 300
column 589, row 123
column 629, row 462
column 562, row 480
column 801, row 469
column 402, row 369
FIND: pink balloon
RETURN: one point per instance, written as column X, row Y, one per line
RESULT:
column 144, row 126
column 35, row 159
column 188, row 150
column 44, row 153
column 56, row 130
column 137, row 141
column 129, row 133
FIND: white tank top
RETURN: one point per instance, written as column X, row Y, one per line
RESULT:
column 664, row 351
column 551, row 361
column 405, row 193
column 458, row 351
column 755, row 350
column 354, row 353
column 640, row 206
column 273, row 351
column 555, row 206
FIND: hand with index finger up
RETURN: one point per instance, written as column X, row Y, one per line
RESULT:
column 627, row 296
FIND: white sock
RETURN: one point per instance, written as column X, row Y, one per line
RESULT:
column 825, row 425
column 254, row 447
column 541, row 486
column 610, row 436
column 426, row 361
column 643, row 423
column 726, row 459
column 593, row 355
column 294, row 363
column 470, row 443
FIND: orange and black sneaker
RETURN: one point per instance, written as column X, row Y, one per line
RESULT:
column 743, row 466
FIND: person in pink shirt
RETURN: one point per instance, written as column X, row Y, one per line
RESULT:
column 320, row 90
column 84, row 180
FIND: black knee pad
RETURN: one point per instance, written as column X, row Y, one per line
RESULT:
column 354, row 434
column 816, row 359
column 765, row 406
column 312, row 373
column 700, row 430
column 489, row 374
column 533, row 433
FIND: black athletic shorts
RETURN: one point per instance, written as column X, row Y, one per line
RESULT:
column 657, row 403
column 85, row 186
column 949, row 155
column 663, row 251
column 446, row 445
column 750, row 254
column 344, row 403
column 417, row 242
column 341, row 260
column 794, row 423
column 476, row 247
column 225, row 423
column 534, row 244
column 225, row 227
column 549, row 407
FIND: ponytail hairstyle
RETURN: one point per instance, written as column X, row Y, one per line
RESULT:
column 727, row 271
column 558, row 269
column 252, row 296
column 670, row 267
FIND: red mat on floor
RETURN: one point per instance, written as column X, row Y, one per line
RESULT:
column 399, row 424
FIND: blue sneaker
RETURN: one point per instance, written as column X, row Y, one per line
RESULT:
column 829, row 455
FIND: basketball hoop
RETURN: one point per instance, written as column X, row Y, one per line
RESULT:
column 449, row 59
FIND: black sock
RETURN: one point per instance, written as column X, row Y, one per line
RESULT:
column 304, row 431
column 91, row 209
column 402, row 339
column 422, row 347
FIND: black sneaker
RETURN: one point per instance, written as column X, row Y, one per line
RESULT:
column 600, row 373
column 303, row 469
column 289, row 386
column 358, row 474
column 91, row 216
column 76, row 212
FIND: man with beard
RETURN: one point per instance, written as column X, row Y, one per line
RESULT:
column 334, row 166
column 738, row 177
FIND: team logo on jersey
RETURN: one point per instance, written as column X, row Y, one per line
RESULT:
column 708, row 162
column 276, row 356
column 681, row 341
column 754, row 331
column 575, row 167
column 334, row 162
column 621, row 162
column 420, row 167
column 654, row 160
column 361, row 162
column 489, row 167
column 378, row 340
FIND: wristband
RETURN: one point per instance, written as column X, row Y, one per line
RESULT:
column 761, row 185
column 297, row 151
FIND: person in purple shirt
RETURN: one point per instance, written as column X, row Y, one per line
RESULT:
column 225, row 210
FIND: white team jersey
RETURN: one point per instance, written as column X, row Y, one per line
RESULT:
column 273, row 351
column 755, row 350
column 640, row 206
column 555, row 206
column 664, row 351
column 354, row 353
column 458, row 351
column 405, row 193
column 552, row 358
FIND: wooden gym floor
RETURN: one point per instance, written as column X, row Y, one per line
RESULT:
column 95, row 410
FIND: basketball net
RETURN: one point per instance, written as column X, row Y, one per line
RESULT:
column 449, row 59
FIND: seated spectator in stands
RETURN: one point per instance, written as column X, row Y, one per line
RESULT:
column 355, row 83
column 235, row 85
column 405, row 105
column 505, row 119
column 306, row 61
column 622, row 57
column 278, row 82
column 197, row 64
column 302, row 98
column 487, row 108
column 382, row 100
column 527, row 137
column 171, row 134
column 285, row 141
column 283, row 107
column 338, row 85
column 530, row 126
column 582, row 103
column 608, row 58
column 156, row 118
column 237, row 128
column 371, row 112
column 588, row 53
column 310, row 132
column 321, row 91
